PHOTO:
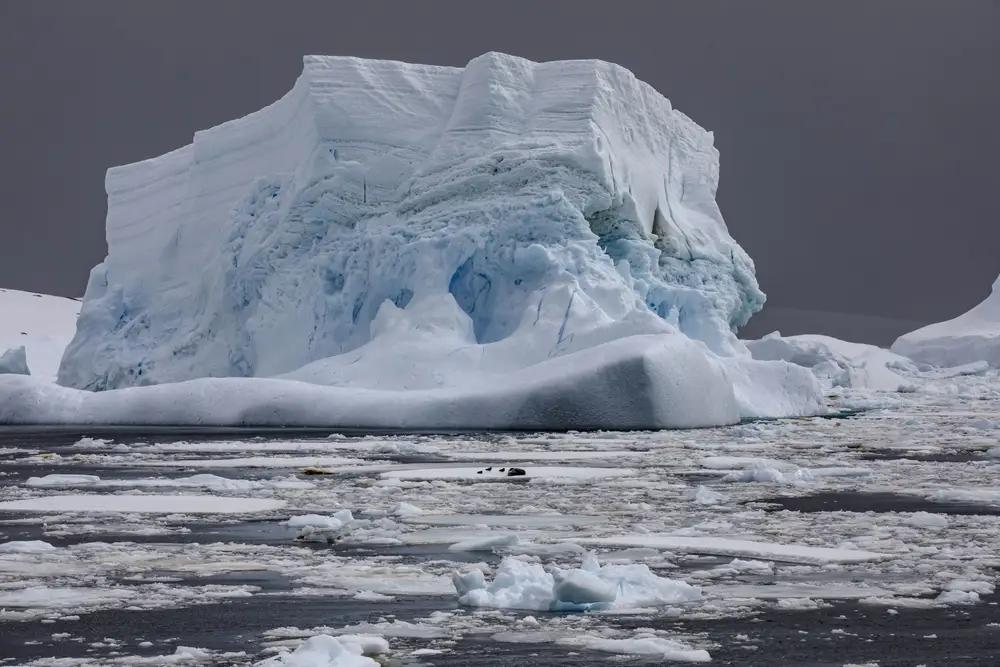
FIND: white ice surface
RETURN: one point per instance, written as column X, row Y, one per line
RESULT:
column 41, row 323
column 205, row 481
column 520, row 584
column 508, row 244
column 562, row 473
column 646, row 645
column 152, row 504
column 724, row 546
column 838, row 363
column 327, row 651
column 970, row 337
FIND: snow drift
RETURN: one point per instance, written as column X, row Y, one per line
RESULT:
column 970, row 337
column 506, row 244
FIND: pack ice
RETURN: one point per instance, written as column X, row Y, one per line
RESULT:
column 970, row 337
column 508, row 244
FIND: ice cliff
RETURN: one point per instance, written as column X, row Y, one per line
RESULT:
column 440, row 233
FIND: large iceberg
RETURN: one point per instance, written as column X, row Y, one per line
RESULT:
column 508, row 244
column 970, row 337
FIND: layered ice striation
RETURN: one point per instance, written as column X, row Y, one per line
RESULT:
column 387, row 226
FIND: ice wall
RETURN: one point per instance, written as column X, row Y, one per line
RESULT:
column 564, row 193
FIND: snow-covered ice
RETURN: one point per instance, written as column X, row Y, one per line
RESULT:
column 520, row 584
column 838, row 363
column 971, row 337
column 791, row 553
column 190, row 504
column 508, row 244
column 327, row 651
column 40, row 323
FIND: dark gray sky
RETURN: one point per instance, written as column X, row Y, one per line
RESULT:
column 860, row 140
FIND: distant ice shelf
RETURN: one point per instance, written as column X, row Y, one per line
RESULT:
column 506, row 245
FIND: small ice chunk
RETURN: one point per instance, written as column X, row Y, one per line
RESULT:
column 762, row 472
column 981, row 587
column 327, row 651
column 319, row 527
column 315, row 521
column 702, row 495
column 14, row 361
column 488, row 543
column 26, row 547
column 957, row 597
column 927, row 520
column 522, row 585
column 472, row 580
column 406, row 509
column 645, row 645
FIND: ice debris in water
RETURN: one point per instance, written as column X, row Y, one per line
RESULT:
column 317, row 527
column 519, row 584
column 327, row 651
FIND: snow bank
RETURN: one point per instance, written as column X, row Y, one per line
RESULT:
column 509, row 244
column 327, row 651
column 838, row 363
column 41, row 323
column 519, row 584
column 973, row 336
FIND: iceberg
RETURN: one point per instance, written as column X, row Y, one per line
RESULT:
column 970, row 337
column 506, row 245
column 839, row 363
column 519, row 584
column 14, row 361
column 40, row 323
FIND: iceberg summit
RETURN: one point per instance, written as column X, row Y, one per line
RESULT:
column 506, row 245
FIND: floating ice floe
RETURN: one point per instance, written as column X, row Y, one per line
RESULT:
column 724, row 546
column 327, row 651
column 519, row 584
column 321, row 527
column 204, row 481
column 984, row 496
column 152, row 504
column 25, row 547
column 495, row 473
column 645, row 645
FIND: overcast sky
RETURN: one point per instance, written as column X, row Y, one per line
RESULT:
column 860, row 141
